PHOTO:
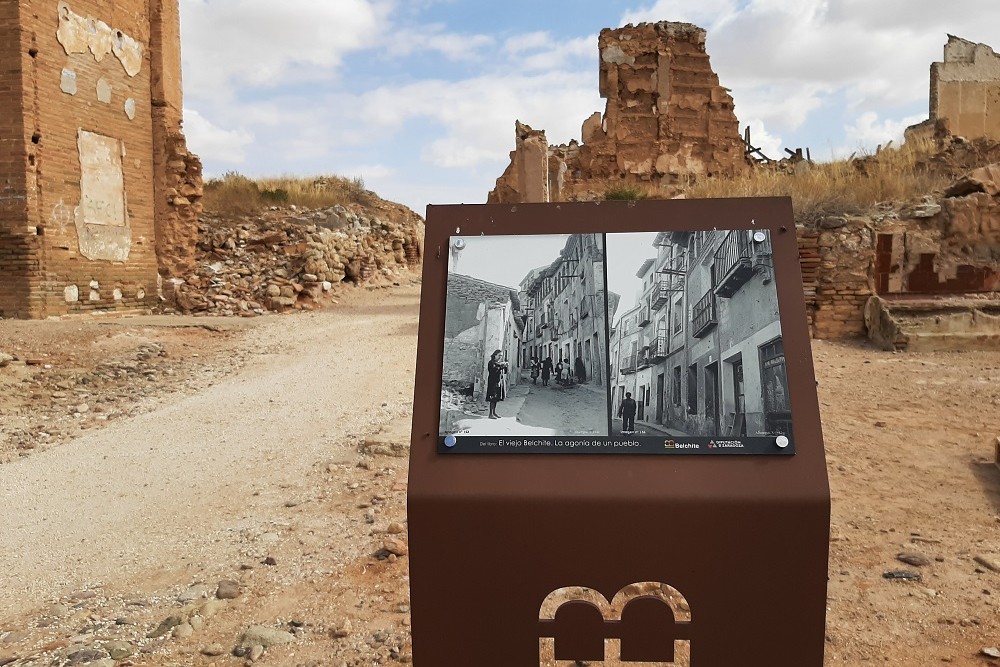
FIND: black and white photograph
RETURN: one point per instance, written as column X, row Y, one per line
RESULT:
column 525, row 343
column 696, row 346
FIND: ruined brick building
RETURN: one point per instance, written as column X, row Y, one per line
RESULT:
column 98, row 193
column 667, row 120
column 964, row 93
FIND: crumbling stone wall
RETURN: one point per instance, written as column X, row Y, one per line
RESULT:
column 526, row 179
column 84, row 165
column 936, row 247
column 964, row 95
column 843, row 281
column 667, row 120
column 177, row 177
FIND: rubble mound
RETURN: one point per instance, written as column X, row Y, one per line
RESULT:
column 956, row 155
column 287, row 258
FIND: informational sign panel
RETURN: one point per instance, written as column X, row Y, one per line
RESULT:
column 646, row 342
column 558, row 344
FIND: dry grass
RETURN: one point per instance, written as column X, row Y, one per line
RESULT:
column 626, row 193
column 854, row 187
column 236, row 194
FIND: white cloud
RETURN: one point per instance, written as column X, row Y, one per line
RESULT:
column 529, row 41
column 870, row 131
column 474, row 118
column 785, row 106
column 435, row 38
column 539, row 51
column 259, row 43
column 213, row 143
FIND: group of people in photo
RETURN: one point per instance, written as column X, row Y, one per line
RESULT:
column 563, row 372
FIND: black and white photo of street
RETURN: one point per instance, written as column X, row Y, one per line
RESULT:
column 525, row 349
column 696, row 347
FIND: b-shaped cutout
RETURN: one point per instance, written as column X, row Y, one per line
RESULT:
column 645, row 625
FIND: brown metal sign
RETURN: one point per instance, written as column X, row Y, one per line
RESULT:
column 550, row 332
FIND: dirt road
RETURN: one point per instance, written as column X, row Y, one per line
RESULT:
column 287, row 480
column 186, row 489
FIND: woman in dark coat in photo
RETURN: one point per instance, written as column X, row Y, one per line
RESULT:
column 581, row 370
column 546, row 370
column 494, row 382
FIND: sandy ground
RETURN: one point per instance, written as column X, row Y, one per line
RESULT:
column 275, row 461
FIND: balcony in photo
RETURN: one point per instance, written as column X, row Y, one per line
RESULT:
column 644, row 316
column 628, row 364
column 705, row 315
column 733, row 263
column 644, row 360
column 658, row 349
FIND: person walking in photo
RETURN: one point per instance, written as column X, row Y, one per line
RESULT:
column 559, row 372
column 535, row 370
column 546, row 371
column 581, row 370
column 627, row 412
column 495, row 385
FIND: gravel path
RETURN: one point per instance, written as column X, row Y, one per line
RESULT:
column 171, row 489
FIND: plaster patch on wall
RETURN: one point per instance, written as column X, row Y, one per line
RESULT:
column 116, row 294
column 71, row 294
column 103, row 91
column 128, row 51
column 73, row 31
column 78, row 34
column 130, row 108
column 102, row 217
column 99, row 38
column 95, row 295
column 67, row 81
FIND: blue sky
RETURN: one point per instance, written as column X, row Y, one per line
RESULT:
column 419, row 97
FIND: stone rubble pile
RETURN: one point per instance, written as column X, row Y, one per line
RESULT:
column 289, row 258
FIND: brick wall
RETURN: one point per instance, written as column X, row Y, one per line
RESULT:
column 18, row 248
column 838, row 276
column 122, row 259
column 92, row 152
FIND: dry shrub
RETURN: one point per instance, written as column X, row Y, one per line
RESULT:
column 625, row 193
column 235, row 194
column 846, row 187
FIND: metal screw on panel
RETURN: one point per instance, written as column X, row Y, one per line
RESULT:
column 759, row 237
column 781, row 441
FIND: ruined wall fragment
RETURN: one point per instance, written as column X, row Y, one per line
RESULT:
column 526, row 179
column 77, row 109
column 177, row 173
column 964, row 94
column 667, row 119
